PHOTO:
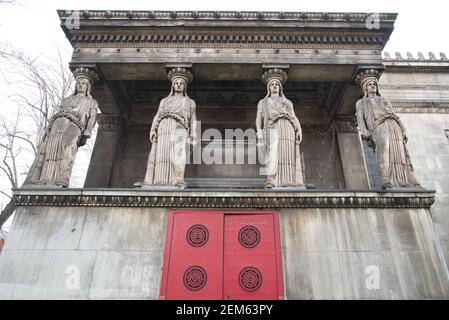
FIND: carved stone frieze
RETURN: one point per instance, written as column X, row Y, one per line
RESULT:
column 221, row 199
column 410, row 106
column 144, row 38
column 108, row 122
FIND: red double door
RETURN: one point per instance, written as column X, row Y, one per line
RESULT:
column 222, row 255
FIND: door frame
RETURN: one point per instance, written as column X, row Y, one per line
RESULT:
column 168, row 243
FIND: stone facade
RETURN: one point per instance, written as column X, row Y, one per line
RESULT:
column 337, row 232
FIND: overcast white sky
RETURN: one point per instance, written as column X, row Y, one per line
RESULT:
column 34, row 26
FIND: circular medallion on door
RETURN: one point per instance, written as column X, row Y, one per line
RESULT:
column 250, row 279
column 197, row 235
column 195, row 278
column 249, row 236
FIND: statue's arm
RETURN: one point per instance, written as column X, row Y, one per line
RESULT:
column 155, row 121
column 91, row 121
column 298, row 124
column 361, row 121
column 193, row 122
column 259, row 120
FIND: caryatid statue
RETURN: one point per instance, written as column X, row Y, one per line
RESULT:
column 68, row 129
column 384, row 131
column 172, row 130
column 279, row 134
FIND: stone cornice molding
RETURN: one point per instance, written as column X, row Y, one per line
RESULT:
column 413, row 106
column 201, row 29
column 159, row 37
column 237, row 16
column 410, row 63
column 223, row 199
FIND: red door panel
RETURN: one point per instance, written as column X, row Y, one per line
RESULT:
column 195, row 268
column 222, row 255
column 249, row 258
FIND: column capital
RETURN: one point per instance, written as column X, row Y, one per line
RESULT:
column 346, row 124
column 110, row 122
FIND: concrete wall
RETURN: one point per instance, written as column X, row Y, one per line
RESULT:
column 429, row 151
column 428, row 144
column 117, row 253
column 332, row 253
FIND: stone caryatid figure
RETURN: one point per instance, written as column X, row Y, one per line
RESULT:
column 173, row 128
column 383, row 130
column 68, row 129
column 279, row 134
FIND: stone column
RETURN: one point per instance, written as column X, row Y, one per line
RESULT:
column 353, row 161
column 110, row 128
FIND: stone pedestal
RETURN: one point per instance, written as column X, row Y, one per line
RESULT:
column 103, row 156
column 352, row 157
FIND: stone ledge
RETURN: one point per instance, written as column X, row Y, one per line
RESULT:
column 222, row 198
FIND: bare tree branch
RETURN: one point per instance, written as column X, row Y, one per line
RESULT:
column 7, row 212
column 5, row 194
column 37, row 86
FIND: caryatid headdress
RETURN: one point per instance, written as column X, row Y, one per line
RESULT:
column 85, row 73
column 366, row 76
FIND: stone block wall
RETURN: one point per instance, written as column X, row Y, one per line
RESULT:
column 338, row 253
column 83, row 253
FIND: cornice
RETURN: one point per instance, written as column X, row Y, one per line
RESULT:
column 222, row 198
column 202, row 28
column 230, row 38
column 228, row 15
column 421, row 63
column 414, row 106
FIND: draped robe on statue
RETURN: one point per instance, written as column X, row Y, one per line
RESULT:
column 283, row 160
column 69, row 126
column 375, row 115
column 172, row 124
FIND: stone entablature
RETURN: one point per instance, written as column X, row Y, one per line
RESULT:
column 137, row 29
column 218, row 198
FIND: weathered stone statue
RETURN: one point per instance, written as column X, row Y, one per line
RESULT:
column 68, row 129
column 279, row 134
column 173, row 128
column 383, row 130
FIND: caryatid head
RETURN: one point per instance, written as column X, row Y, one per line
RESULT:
column 368, row 81
column 84, row 78
column 179, row 78
column 274, row 79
